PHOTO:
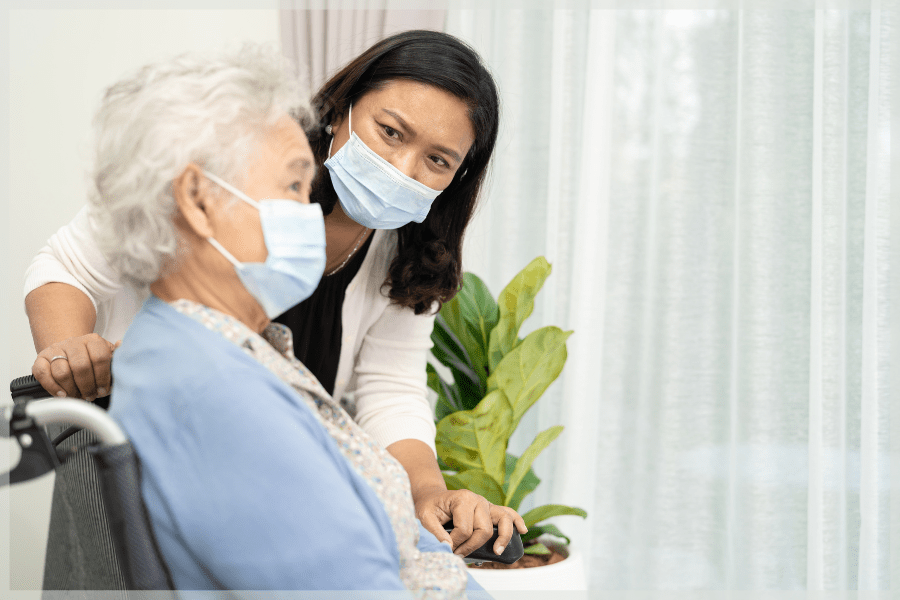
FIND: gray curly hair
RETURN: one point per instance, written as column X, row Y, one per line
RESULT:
column 209, row 109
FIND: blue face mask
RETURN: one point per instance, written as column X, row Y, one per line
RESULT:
column 295, row 240
column 372, row 191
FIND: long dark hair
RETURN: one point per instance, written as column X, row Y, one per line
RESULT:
column 428, row 265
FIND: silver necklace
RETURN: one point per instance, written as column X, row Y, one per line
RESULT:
column 356, row 246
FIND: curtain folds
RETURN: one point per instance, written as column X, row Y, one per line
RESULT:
column 320, row 41
column 712, row 189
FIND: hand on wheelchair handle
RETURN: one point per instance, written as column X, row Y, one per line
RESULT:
column 78, row 367
column 477, row 521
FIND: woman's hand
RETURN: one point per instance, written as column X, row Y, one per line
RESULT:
column 78, row 367
column 473, row 516
column 473, row 520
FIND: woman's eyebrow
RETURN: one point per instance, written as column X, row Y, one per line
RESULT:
column 402, row 122
column 454, row 155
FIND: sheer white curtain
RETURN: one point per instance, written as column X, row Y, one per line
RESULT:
column 321, row 40
column 712, row 188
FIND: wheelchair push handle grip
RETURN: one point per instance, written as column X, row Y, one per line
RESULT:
column 513, row 551
column 27, row 388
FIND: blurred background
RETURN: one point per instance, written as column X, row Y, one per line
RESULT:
column 712, row 188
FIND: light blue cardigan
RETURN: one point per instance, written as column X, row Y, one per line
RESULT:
column 245, row 488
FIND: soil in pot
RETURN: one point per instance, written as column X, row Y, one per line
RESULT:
column 527, row 561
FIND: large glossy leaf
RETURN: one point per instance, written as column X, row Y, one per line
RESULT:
column 472, row 314
column 538, row 530
column 477, row 481
column 541, row 441
column 477, row 438
column 515, row 304
column 528, row 484
column 479, row 308
column 526, row 372
column 447, row 401
column 536, row 515
column 537, row 548
column 451, row 352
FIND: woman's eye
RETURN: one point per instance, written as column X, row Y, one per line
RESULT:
column 296, row 186
column 390, row 131
column 440, row 161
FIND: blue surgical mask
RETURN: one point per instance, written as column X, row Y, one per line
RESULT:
column 372, row 191
column 294, row 234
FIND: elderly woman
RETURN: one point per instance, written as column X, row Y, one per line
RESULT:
column 253, row 476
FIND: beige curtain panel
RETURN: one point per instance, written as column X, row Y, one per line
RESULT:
column 320, row 41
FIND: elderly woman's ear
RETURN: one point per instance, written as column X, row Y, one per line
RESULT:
column 193, row 196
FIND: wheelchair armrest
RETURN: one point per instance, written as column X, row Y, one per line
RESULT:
column 25, row 421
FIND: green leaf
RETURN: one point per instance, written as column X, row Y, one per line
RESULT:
column 477, row 438
column 442, row 465
column 527, row 485
column 472, row 315
column 541, row 441
column 526, row 372
column 479, row 308
column 446, row 399
column 451, row 351
column 477, row 481
column 515, row 304
column 539, row 530
column 434, row 380
column 536, row 515
column 537, row 548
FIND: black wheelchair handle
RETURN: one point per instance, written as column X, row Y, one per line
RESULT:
column 514, row 549
column 27, row 388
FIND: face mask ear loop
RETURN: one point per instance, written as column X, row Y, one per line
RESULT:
column 349, row 124
column 224, row 252
column 227, row 186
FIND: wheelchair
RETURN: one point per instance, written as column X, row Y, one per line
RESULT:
column 116, row 465
column 118, row 470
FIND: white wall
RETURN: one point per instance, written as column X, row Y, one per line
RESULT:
column 60, row 61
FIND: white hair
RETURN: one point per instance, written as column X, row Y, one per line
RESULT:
column 206, row 109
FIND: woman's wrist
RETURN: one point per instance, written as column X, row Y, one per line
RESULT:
column 421, row 467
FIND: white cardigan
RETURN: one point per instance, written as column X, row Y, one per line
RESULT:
column 383, row 351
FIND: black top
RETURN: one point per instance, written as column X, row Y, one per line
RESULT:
column 316, row 322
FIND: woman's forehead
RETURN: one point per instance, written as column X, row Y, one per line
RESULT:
column 428, row 110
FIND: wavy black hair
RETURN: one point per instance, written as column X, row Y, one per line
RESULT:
column 428, row 265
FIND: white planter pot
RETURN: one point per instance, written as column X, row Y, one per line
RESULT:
column 564, row 575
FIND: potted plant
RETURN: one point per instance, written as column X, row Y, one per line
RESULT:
column 496, row 378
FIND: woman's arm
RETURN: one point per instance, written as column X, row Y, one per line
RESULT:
column 392, row 406
column 64, row 284
column 72, row 256
column 391, row 383
column 62, row 319
column 58, row 311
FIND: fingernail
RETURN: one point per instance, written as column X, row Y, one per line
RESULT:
column 498, row 550
column 61, row 394
column 91, row 398
column 101, row 391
